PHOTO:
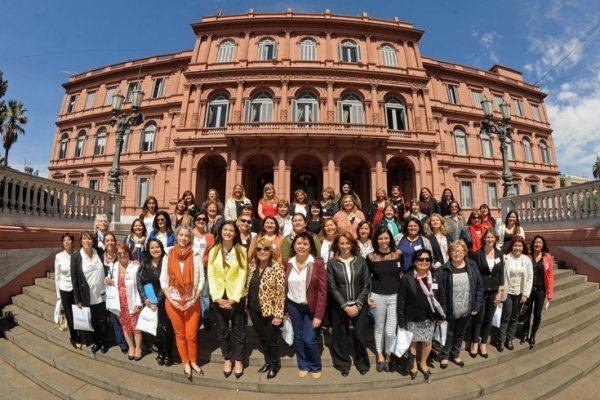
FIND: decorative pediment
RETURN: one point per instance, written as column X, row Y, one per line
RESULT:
column 532, row 178
column 549, row 180
column 95, row 172
column 144, row 170
column 491, row 175
column 75, row 174
column 58, row 175
column 465, row 173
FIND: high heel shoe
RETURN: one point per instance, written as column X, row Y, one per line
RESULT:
column 474, row 345
column 226, row 373
column 531, row 342
column 239, row 374
column 427, row 375
column 413, row 374
column 188, row 374
column 509, row 345
column 198, row 371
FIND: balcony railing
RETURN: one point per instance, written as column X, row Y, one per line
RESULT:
column 28, row 195
column 298, row 128
column 565, row 204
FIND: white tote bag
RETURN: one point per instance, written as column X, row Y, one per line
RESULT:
column 287, row 331
column 401, row 342
column 440, row 332
column 497, row 319
column 82, row 318
column 112, row 299
column 147, row 321
column 57, row 311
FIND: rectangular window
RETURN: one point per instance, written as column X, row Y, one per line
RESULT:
column 217, row 116
column 132, row 87
column 388, row 56
column 100, row 145
column 486, row 146
column 79, row 145
column 110, row 92
column 94, row 184
column 308, row 50
column 452, row 93
column 143, row 190
column 305, row 111
column 75, row 182
column 396, row 119
column 535, row 111
column 466, row 194
column 498, row 100
column 461, row 144
column 71, row 103
column 518, row 105
column 349, row 52
column 476, row 97
column 158, row 87
column 492, row 194
column 267, row 50
column 89, row 101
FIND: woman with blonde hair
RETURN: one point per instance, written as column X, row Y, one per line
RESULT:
column 181, row 279
column 213, row 195
column 267, row 205
column 266, row 298
column 180, row 215
column 328, row 203
column 300, row 203
column 348, row 218
column 436, row 230
column 270, row 231
column 234, row 204
column 101, row 226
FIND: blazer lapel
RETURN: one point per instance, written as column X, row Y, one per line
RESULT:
column 309, row 275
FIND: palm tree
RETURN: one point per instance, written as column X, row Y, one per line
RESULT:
column 596, row 168
column 15, row 117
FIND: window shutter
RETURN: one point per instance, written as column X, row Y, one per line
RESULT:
column 357, row 110
column 274, row 50
column 340, row 53
column 247, row 111
column 358, row 58
column 340, row 112
column 268, row 112
column 294, row 110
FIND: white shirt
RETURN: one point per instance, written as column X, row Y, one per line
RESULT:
column 149, row 221
column 297, row 281
column 325, row 250
column 199, row 245
column 346, row 263
column 518, row 275
column 164, row 273
column 62, row 272
column 93, row 270
column 365, row 248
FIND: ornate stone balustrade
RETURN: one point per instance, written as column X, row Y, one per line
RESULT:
column 24, row 196
column 569, row 203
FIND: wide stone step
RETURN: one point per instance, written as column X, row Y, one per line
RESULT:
column 585, row 388
column 17, row 386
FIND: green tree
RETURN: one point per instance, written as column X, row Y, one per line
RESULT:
column 596, row 168
column 14, row 117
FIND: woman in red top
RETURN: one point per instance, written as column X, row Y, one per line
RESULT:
column 542, row 289
column 472, row 233
column 267, row 206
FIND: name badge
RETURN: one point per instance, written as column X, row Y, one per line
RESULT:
column 230, row 257
column 434, row 286
column 418, row 247
column 138, row 245
column 398, row 264
column 546, row 266
column 497, row 260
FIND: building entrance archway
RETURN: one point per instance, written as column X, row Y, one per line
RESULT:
column 401, row 172
column 357, row 171
column 211, row 173
column 258, row 171
column 307, row 174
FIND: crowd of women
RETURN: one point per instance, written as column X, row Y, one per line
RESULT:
column 414, row 265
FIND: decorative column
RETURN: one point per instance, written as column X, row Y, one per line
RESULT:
column 188, row 168
column 402, row 58
column 245, row 49
column 286, row 50
column 177, row 169
column 188, row 87
column 205, row 50
column 428, row 115
column 283, row 109
column 434, row 169
column 328, row 48
column 330, row 102
column 417, row 112
column 410, row 60
column 279, row 176
column 422, row 171
column 239, row 102
column 374, row 104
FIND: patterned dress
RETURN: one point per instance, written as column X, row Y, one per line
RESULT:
column 127, row 321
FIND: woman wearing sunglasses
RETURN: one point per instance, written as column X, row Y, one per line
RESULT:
column 266, row 297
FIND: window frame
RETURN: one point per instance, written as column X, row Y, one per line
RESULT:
column 144, row 134
column 510, row 149
column 498, row 99
column 140, row 195
column 72, row 103
column 492, row 200
column 263, row 49
column 110, row 92
column 216, row 104
column 132, row 87
column 518, row 107
column 545, row 153
column 97, row 181
column 100, row 148
column 226, row 51
column 389, row 57
column 352, row 104
column 535, row 112
column 262, row 102
column 466, row 201
column 90, row 100
column 348, row 49
column 452, row 92
column 486, row 138
column 527, row 150
column 460, row 135
column 307, row 47
column 476, row 98
column 63, row 146
column 305, row 100
column 158, row 84
column 397, row 109
column 80, row 144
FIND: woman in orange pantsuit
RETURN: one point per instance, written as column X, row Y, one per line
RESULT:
column 181, row 279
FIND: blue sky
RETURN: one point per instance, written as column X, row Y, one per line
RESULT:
column 42, row 42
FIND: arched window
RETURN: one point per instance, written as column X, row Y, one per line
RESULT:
column 510, row 149
column 306, row 107
column 267, row 49
column 80, row 144
column 350, row 109
column 100, row 145
column 460, row 139
column 148, row 137
column 226, row 51
column 486, row 145
column 216, row 117
column 388, row 55
column 545, row 153
column 349, row 51
column 527, row 150
column 308, row 49
column 62, row 149
column 260, row 108
column 395, row 113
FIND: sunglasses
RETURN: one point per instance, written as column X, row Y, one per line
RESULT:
column 263, row 249
column 245, row 221
column 201, row 219
column 423, row 259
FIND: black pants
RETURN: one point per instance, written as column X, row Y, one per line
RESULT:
column 99, row 323
column 510, row 313
column 268, row 336
column 164, row 331
column 454, row 337
column 67, row 299
column 482, row 322
column 340, row 352
column 233, row 340
column 535, row 305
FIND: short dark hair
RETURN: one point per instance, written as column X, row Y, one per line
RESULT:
column 419, row 253
column 380, row 229
column 308, row 236
column 69, row 235
column 335, row 246
column 415, row 220
column 518, row 239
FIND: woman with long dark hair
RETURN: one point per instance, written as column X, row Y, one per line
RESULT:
column 428, row 203
column 136, row 240
column 190, row 202
column 64, row 285
column 410, row 240
column 149, row 210
column 507, row 231
column 162, row 229
column 445, row 201
column 542, row 288
column 472, row 233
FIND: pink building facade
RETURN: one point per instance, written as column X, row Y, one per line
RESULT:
column 303, row 101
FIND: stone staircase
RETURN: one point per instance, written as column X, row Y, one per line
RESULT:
column 37, row 361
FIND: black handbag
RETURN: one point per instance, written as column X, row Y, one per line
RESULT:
column 523, row 312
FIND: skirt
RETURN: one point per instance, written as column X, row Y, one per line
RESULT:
column 422, row 331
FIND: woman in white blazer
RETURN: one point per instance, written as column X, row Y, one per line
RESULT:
column 64, row 285
column 123, row 276
column 518, row 281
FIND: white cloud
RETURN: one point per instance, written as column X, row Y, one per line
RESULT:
column 490, row 43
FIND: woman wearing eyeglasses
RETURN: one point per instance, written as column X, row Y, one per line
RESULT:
column 472, row 233
column 464, row 293
column 162, row 229
column 421, row 302
column 270, row 231
column 227, row 272
column 123, row 275
column 244, row 223
column 202, row 242
column 266, row 297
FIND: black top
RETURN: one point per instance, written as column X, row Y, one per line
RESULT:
column 385, row 275
column 314, row 226
column 436, row 250
column 344, row 291
column 538, row 275
column 413, row 305
column 148, row 275
column 494, row 278
column 253, row 300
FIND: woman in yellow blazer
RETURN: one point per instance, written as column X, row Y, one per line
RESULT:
column 227, row 271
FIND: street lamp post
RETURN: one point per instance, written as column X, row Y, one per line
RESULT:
column 503, row 129
column 123, row 121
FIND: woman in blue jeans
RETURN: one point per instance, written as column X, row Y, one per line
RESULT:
column 464, row 294
column 306, row 298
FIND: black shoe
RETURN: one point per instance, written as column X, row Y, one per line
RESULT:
column 345, row 372
column 95, row 348
column 379, row 366
column 509, row 345
column 238, row 375
column 130, row 358
column 188, row 375
column 531, row 342
column 386, row 366
column 427, row 375
column 444, row 366
column 413, row 374
column 363, row 371
column 206, row 323
column 266, row 367
column 460, row 363
column 160, row 359
column 273, row 371
column 168, row 361
column 104, row 349
column 125, row 351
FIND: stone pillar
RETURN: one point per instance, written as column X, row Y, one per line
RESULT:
column 434, row 169
column 205, row 50
column 244, row 49
column 428, row 114
column 422, row 169
column 283, row 109
column 417, row 112
column 279, row 174
column 286, row 49
column 402, row 58
column 239, row 102
column 375, row 108
column 410, row 60
column 188, row 168
column 330, row 102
